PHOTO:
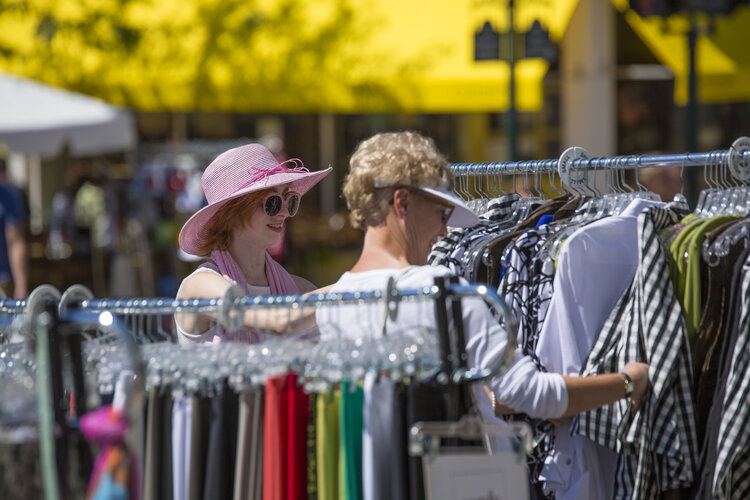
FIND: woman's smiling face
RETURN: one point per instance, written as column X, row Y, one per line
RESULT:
column 263, row 229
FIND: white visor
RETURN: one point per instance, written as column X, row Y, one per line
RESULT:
column 462, row 215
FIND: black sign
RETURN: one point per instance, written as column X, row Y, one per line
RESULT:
column 538, row 43
column 486, row 43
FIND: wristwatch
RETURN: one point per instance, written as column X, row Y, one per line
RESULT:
column 628, row 385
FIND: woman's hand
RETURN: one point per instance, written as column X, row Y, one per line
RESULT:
column 638, row 373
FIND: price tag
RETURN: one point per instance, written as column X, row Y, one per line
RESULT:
column 574, row 178
column 468, row 476
column 739, row 165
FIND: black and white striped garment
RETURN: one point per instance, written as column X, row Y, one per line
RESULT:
column 657, row 446
column 732, row 476
column 526, row 288
column 450, row 249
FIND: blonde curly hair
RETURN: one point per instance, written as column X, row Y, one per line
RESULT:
column 387, row 160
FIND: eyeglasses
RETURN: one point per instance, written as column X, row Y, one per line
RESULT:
column 273, row 204
column 447, row 209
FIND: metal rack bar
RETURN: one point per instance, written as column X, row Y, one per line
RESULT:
column 161, row 305
column 601, row 163
column 11, row 306
column 232, row 302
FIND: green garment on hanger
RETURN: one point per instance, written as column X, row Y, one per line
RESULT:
column 327, row 444
column 692, row 302
column 350, row 464
column 677, row 252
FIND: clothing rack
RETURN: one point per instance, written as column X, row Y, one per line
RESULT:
column 77, row 308
column 53, row 323
column 235, row 301
column 737, row 157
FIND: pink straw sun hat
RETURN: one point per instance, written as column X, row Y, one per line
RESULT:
column 240, row 171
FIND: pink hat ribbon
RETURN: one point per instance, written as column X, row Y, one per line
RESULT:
column 258, row 174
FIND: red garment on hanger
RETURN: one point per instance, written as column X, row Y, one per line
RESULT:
column 274, row 440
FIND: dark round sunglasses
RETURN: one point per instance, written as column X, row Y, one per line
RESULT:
column 273, row 204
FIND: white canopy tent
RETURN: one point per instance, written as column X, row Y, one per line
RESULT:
column 37, row 118
column 38, row 122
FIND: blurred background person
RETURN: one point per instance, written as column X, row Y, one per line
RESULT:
column 14, row 255
column 664, row 181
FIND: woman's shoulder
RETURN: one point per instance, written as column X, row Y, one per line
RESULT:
column 435, row 271
column 412, row 276
column 204, row 280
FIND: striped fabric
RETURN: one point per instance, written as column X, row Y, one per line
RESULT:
column 658, row 445
column 526, row 288
column 450, row 250
column 732, row 475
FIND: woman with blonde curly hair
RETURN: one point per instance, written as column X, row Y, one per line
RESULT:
column 398, row 190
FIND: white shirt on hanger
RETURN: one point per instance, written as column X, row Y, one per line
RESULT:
column 595, row 266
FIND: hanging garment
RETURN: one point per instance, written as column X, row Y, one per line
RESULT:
column 198, row 446
column 677, row 236
column 311, row 450
column 248, row 445
column 298, row 414
column 327, row 446
column 703, row 486
column 526, row 288
column 687, row 252
column 222, row 445
column 350, row 456
column 158, row 458
column 594, row 267
column 383, row 441
column 425, row 402
column 256, row 455
column 244, row 445
column 707, row 345
column 488, row 269
column 274, row 440
column 21, row 459
column 732, row 476
column 114, row 475
column 658, row 443
column 182, row 409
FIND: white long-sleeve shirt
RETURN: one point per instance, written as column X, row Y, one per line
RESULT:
column 523, row 387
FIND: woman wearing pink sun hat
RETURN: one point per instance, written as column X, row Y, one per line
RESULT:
column 250, row 196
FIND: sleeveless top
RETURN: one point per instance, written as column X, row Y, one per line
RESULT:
column 216, row 333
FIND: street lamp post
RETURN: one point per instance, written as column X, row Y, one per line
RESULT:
column 511, row 118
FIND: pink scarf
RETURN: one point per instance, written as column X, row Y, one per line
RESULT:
column 279, row 279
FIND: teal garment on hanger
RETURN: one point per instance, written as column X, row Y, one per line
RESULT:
column 46, row 417
column 350, row 461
